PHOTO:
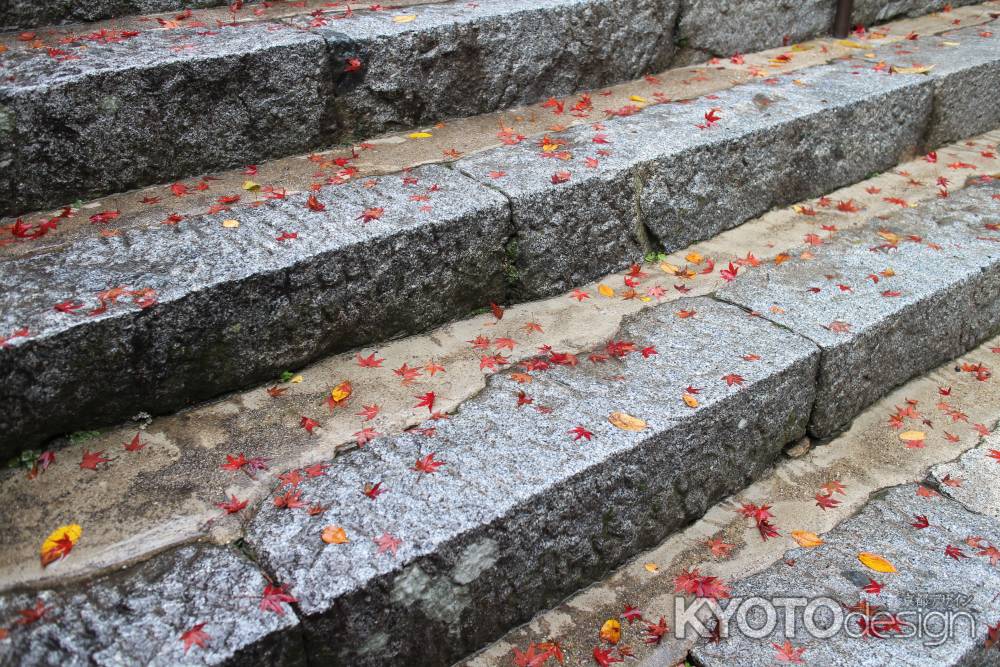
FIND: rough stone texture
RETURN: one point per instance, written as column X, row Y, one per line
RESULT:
column 165, row 104
column 236, row 306
column 868, row 12
column 660, row 182
column 34, row 13
column 948, row 287
column 137, row 616
column 517, row 495
column 459, row 59
column 923, row 569
column 723, row 27
column 978, row 470
column 966, row 76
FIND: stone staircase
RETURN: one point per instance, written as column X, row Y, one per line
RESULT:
column 539, row 189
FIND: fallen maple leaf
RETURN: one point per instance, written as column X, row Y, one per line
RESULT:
column 59, row 543
column 426, row 401
column 233, row 505
column 308, row 424
column 788, row 653
column 91, row 460
column 195, row 636
column 580, row 432
column 273, row 598
column 427, row 464
column 388, row 542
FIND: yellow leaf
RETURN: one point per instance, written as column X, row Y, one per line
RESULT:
column 341, row 392
column 296, row 380
column 690, row 400
column 652, row 567
column 667, row 267
column 404, row 18
column 875, row 562
column 230, row 224
column 250, row 186
column 626, row 422
column 802, row 47
column 912, row 436
column 846, row 43
column 59, row 543
column 917, row 69
column 694, row 258
column 952, row 43
column 604, row 290
column 335, row 535
column 611, row 631
column 420, row 135
column 806, row 539
column 636, row 98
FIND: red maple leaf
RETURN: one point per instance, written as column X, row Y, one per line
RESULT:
column 921, row 522
column 952, row 551
column 497, row 311
column 364, row 436
column 286, row 236
column 788, row 653
column 368, row 412
column 308, row 424
column 135, row 444
column 529, row 658
column 408, row 374
column 370, row 361
column 233, row 505
column 273, row 598
column 426, row 401
column 427, row 464
column 373, row 491
column 289, row 500
column 31, row 615
column 369, row 214
column 91, row 460
column 388, row 542
column 195, row 636
column 314, row 204
column 631, row 614
column 872, row 587
column 580, row 432
column 604, row 658
column 655, row 632
column 729, row 274
column 826, row 501
column 732, row 379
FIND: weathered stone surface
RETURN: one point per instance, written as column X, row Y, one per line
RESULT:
column 459, row 59
column 923, row 572
column 966, row 73
column 943, row 299
column 164, row 104
column 236, row 306
column 973, row 479
column 137, row 616
column 32, row 13
column 868, row 12
column 518, row 495
column 661, row 182
column 723, row 28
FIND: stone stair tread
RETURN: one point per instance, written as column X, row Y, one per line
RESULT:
column 941, row 288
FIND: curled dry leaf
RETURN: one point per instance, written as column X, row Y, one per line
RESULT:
column 806, row 539
column 626, row 422
column 875, row 562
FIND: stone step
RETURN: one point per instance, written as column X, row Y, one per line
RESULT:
column 863, row 463
column 198, row 99
column 459, row 238
column 566, row 510
column 932, row 592
column 167, row 492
